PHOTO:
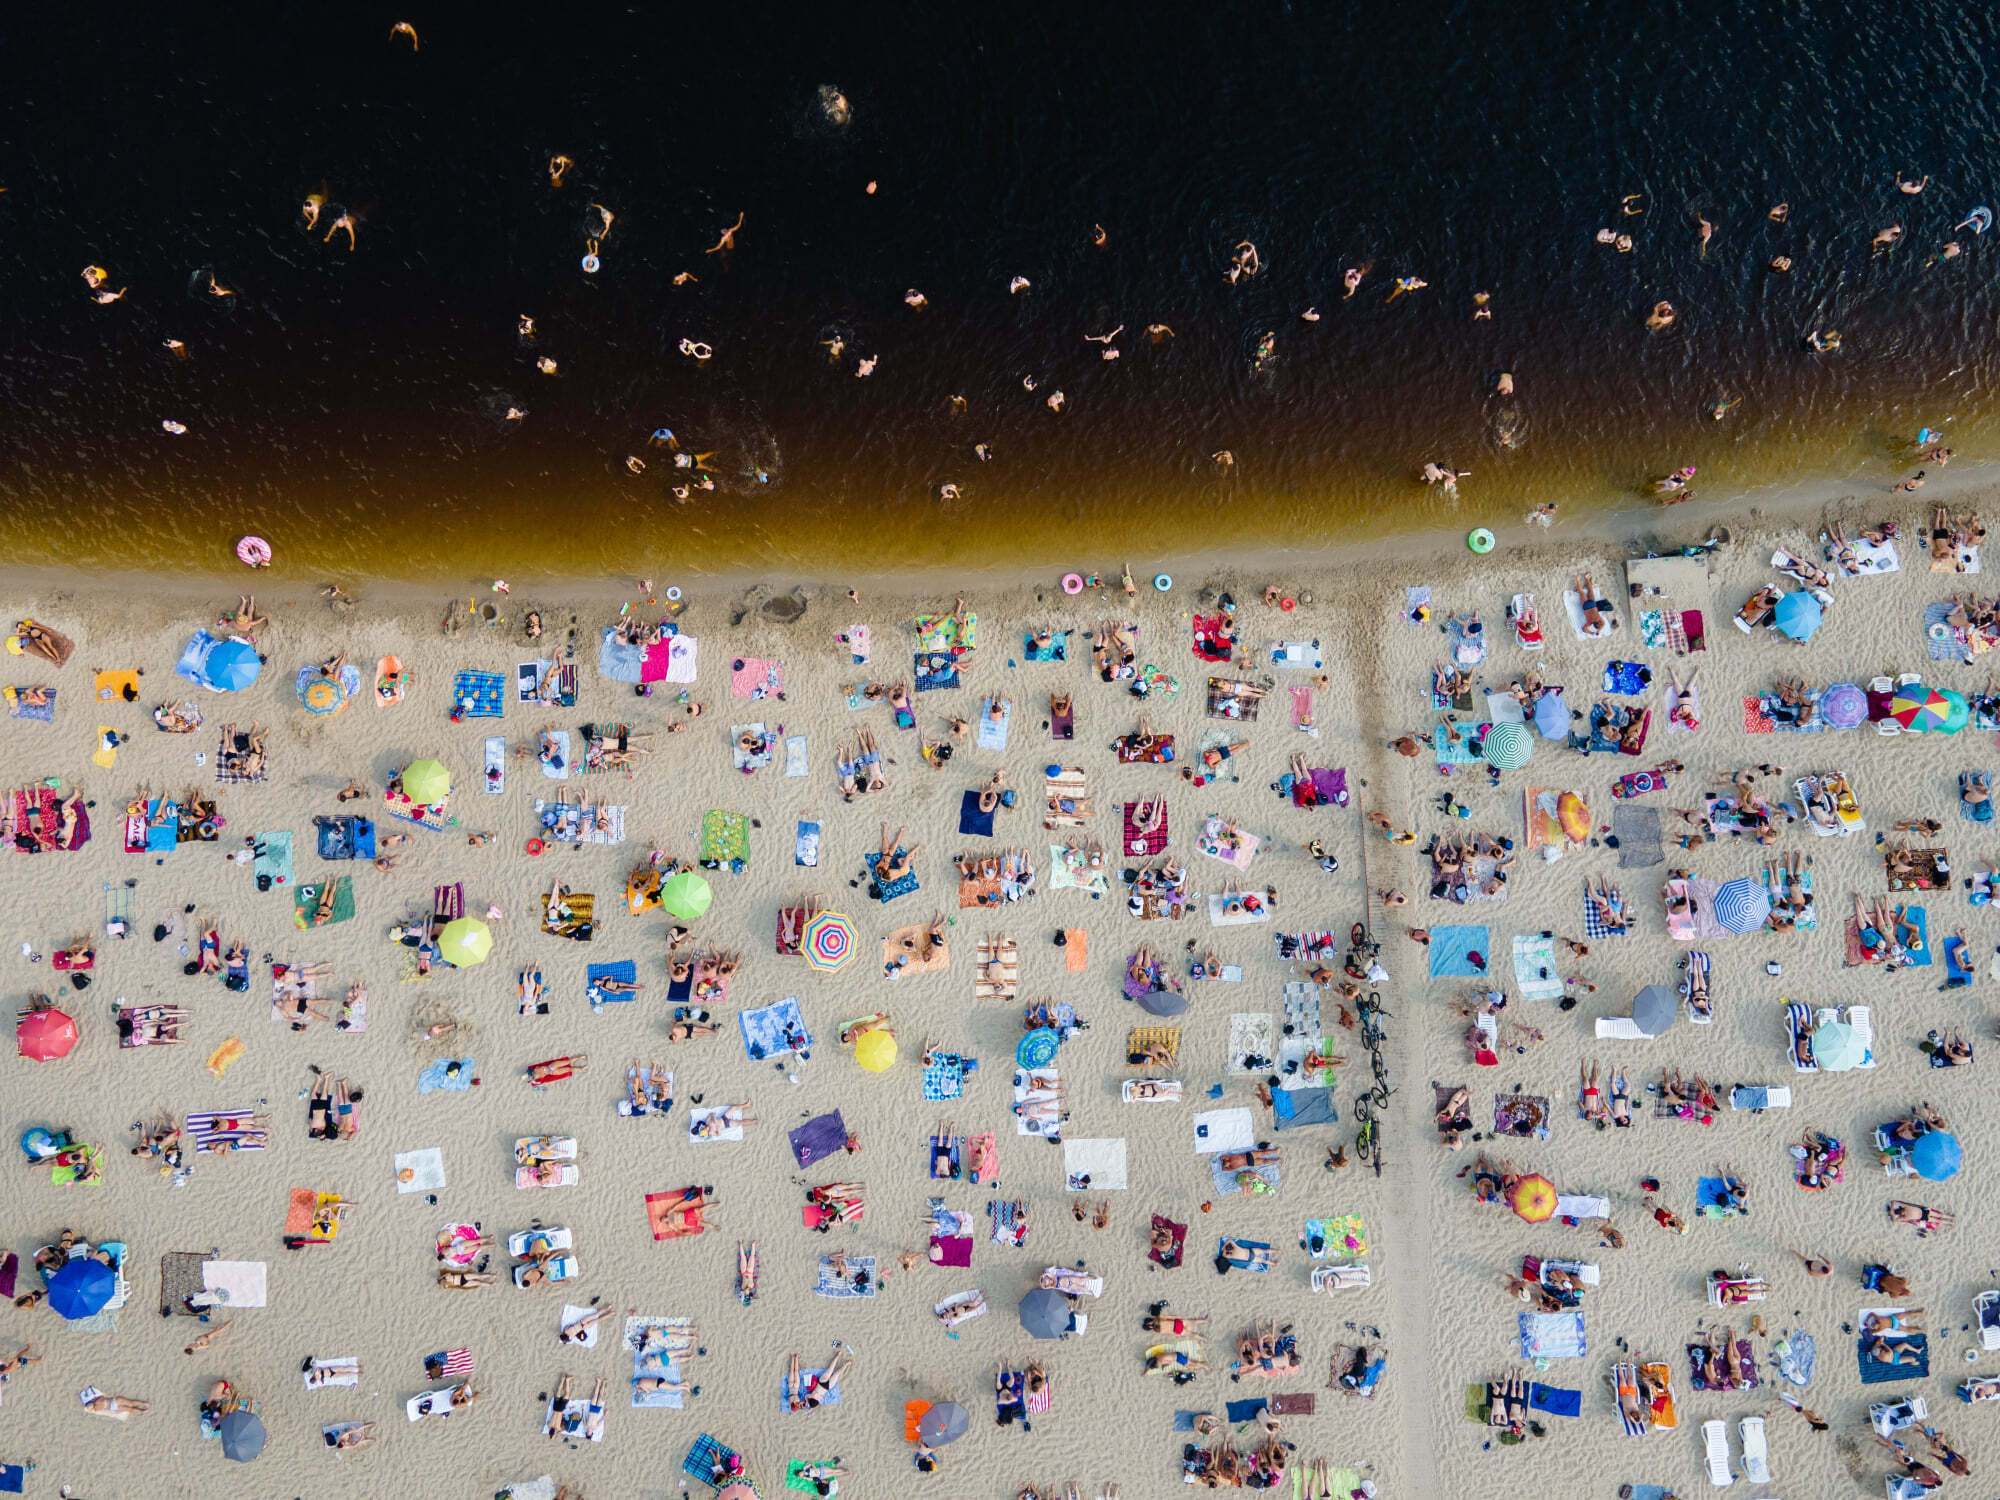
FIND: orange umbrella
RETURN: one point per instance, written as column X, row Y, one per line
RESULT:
column 45, row 1034
column 1534, row 1199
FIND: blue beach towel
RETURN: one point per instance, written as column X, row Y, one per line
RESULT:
column 1874, row 1372
column 992, row 733
column 970, row 819
column 830, row 1284
column 944, row 1078
column 1294, row 1107
column 1796, row 1355
column 1920, row 954
column 1449, row 754
column 163, row 826
column 902, row 886
column 1247, row 1245
column 1555, row 1400
column 1627, row 677
column 273, row 857
column 44, row 713
column 774, row 1031
column 438, row 1078
column 624, row 969
column 1056, row 650
column 479, row 695
column 704, row 1457
column 1244, row 1411
column 1945, row 646
column 934, row 670
column 1711, row 1198
column 621, row 661
column 1452, row 950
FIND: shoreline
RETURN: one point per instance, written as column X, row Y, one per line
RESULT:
column 1631, row 522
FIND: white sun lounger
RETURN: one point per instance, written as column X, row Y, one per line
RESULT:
column 1756, row 1453
column 1715, row 1451
column 1620, row 1029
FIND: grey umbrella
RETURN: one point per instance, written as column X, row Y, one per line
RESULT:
column 242, row 1435
column 1163, row 1002
column 1045, row 1314
column 1654, row 1009
column 944, row 1423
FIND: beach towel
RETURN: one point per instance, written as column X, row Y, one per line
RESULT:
column 234, row 1283
column 955, row 632
column 1594, row 924
column 773, row 1031
column 208, row 1129
column 1253, row 1042
column 998, row 976
column 970, row 819
column 1251, row 1245
column 1796, row 1356
column 1637, row 830
column 725, row 841
column 829, row 1283
column 624, row 969
column 709, row 1456
column 1627, row 677
column 655, row 1356
column 933, row 671
column 756, row 677
column 1450, row 752
column 1573, row 609
column 1255, row 1180
column 1536, row 974
column 478, row 695
column 306, row 903
column 1460, row 952
column 1219, row 1130
column 18, row 706
column 1877, row 1372
column 1711, row 1198
column 1416, row 603
column 1521, row 1115
column 1211, row 641
column 450, row 1075
column 748, row 760
column 271, row 865
column 1091, row 1166
column 1056, row 650
column 574, row 916
column 992, row 733
column 1555, row 1400
column 117, row 687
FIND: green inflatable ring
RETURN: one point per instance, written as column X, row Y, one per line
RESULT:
column 1480, row 540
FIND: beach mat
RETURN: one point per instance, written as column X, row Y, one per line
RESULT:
column 1637, row 830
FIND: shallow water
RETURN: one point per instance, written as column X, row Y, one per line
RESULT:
column 350, row 407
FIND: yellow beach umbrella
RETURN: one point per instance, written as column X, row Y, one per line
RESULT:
column 426, row 781
column 875, row 1051
column 465, row 942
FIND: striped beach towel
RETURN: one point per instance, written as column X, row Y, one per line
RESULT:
column 1038, row 1402
column 457, row 1363
column 215, row 1127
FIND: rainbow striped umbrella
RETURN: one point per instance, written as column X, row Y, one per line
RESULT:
column 1920, row 709
column 829, row 940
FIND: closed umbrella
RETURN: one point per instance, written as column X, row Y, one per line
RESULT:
column 465, row 942
column 686, row 895
column 232, row 666
column 1836, row 1047
column 944, row 1423
column 1163, row 1003
column 45, row 1034
column 242, row 1435
column 1654, row 1009
column 829, row 941
column 1508, row 747
column 81, row 1287
column 1741, row 905
column 1936, row 1155
column 1552, row 717
column 1844, row 706
column 1797, row 616
column 875, row 1051
column 1045, row 1313
column 1534, row 1199
column 426, row 781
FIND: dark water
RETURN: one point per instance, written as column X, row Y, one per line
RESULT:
column 350, row 406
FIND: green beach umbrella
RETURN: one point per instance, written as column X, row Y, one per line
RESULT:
column 686, row 895
column 426, row 781
column 1836, row 1047
column 1508, row 747
column 465, row 942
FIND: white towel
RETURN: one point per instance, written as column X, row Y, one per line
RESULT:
column 344, row 1371
column 728, row 1133
column 571, row 1314
column 234, row 1283
column 1218, row 1130
column 1103, row 1159
column 426, row 1168
column 1578, row 1206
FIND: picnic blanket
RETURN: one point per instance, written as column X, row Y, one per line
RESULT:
column 829, row 1283
column 478, row 695
column 1521, row 1115
column 1553, row 1336
column 1637, row 830
column 817, row 1139
column 574, row 916
column 306, row 902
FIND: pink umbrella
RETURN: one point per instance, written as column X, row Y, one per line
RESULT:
column 45, row 1034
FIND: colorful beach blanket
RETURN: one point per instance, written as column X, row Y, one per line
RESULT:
column 478, row 695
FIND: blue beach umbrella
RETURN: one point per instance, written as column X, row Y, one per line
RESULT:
column 1045, row 1314
column 242, row 1434
column 1797, row 616
column 233, row 666
column 1552, row 716
column 1741, row 905
column 81, row 1287
column 1936, row 1155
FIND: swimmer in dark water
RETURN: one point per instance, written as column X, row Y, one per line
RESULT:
column 1707, row 232
column 1351, row 278
column 1098, row 237
column 559, row 166
column 1905, row 185
column 344, row 222
column 310, row 209
column 1662, row 316
column 404, row 28
column 1779, row 213
column 1405, row 284
column 727, row 242
column 1159, row 333
column 1885, row 239
column 1103, row 338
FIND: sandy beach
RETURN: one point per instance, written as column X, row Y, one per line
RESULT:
column 1437, row 1307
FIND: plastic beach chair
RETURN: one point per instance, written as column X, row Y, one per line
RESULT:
column 1715, row 1451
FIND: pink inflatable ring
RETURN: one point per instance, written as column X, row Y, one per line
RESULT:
column 253, row 552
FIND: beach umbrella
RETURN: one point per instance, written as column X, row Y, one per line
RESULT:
column 1836, row 1047
column 1797, row 616
column 1844, row 706
column 465, row 942
column 1552, row 717
column 875, row 1051
column 1534, row 1199
column 1742, row 904
column 829, row 940
column 736, row 1489
column 45, row 1034
column 426, row 781
column 1507, row 747
column 242, row 1435
column 1957, row 711
column 1037, row 1048
column 944, row 1423
column 1163, row 1003
column 232, row 666
column 1919, row 708
column 1654, row 1009
column 81, row 1287
column 1936, row 1155
column 686, row 895
column 1045, row 1313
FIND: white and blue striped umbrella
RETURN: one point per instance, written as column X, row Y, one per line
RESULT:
column 1741, row 905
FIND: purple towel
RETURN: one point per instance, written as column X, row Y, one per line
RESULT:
column 818, row 1137
column 1331, row 785
column 951, row 1250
